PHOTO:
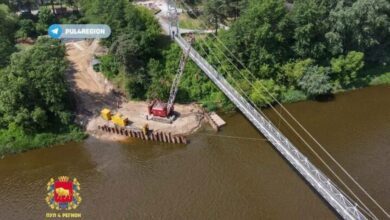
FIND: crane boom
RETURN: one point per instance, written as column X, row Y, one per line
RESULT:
column 179, row 74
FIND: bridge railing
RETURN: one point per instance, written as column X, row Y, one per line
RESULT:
column 319, row 181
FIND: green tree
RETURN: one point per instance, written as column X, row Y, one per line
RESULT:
column 215, row 12
column 264, row 92
column 133, row 42
column 260, row 36
column 316, row 81
column 7, row 22
column 6, row 49
column 161, row 81
column 363, row 26
column 109, row 66
column 26, row 29
column 345, row 68
column 7, row 31
column 45, row 19
column 310, row 18
column 293, row 71
column 34, row 95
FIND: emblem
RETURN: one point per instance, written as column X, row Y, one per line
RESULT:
column 63, row 193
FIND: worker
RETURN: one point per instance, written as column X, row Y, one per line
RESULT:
column 145, row 129
column 173, row 35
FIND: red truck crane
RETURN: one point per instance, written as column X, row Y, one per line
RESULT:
column 161, row 111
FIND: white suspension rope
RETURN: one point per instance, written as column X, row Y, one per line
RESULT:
column 295, row 120
column 366, row 209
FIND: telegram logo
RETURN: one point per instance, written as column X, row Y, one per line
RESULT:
column 79, row 31
column 55, row 31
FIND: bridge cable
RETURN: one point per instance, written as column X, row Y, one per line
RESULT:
column 314, row 152
column 235, row 137
column 311, row 136
column 295, row 120
column 368, row 211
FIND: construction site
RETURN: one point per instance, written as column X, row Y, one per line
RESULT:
column 100, row 104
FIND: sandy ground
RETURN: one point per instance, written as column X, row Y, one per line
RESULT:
column 93, row 93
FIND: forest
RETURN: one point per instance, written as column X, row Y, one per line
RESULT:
column 309, row 48
column 292, row 51
column 35, row 104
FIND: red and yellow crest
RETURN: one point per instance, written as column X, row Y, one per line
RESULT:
column 63, row 193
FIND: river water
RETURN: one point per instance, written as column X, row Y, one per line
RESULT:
column 216, row 176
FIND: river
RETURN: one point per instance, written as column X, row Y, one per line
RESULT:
column 216, row 176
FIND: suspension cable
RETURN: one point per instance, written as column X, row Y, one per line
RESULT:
column 291, row 116
column 310, row 135
column 368, row 211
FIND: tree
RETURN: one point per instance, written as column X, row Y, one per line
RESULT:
column 316, row 81
column 215, row 12
column 6, row 49
column 311, row 23
column 345, row 68
column 161, row 81
column 26, row 29
column 361, row 26
column 219, row 11
column 264, row 92
column 7, row 22
column 45, row 18
column 293, row 71
column 34, row 94
column 130, row 50
column 109, row 66
column 260, row 37
column 7, row 31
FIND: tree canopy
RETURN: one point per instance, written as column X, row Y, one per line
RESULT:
column 34, row 94
column 308, row 41
column 7, row 31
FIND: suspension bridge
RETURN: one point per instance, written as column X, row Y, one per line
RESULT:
column 335, row 197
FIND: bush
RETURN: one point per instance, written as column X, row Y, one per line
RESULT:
column 109, row 66
column 26, row 29
column 14, row 140
column 316, row 81
column 293, row 95
column 345, row 68
column 293, row 71
column 45, row 18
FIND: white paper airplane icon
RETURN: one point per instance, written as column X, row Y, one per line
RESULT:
column 55, row 31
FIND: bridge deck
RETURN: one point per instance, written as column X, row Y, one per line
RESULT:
column 321, row 183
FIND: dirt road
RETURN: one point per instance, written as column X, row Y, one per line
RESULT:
column 93, row 92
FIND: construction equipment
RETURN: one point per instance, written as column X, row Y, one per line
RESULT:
column 117, row 119
column 106, row 114
column 161, row 111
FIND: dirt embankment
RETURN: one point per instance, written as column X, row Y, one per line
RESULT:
column 93, row 93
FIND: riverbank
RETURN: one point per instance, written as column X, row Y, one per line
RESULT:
column 15, row 141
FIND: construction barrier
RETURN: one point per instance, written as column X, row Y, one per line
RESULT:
column 151, row 136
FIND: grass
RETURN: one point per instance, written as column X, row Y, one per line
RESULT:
column 379, row 75
column 189, row 23
column 370, row 76
column 15, row 141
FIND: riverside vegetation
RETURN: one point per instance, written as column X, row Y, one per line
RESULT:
column 35, row 105
column 299, row 50
column 295, row 50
